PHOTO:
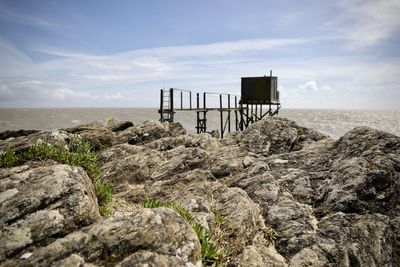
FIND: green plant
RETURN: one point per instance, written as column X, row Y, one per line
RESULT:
column 211, row 251
column 151, row 203
column 218, row 218
column 9, row 158
column 368, row 144
column 301, row 130
column 271, row 235
column 80, row 154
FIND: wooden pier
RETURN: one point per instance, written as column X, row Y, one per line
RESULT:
column 235, row 112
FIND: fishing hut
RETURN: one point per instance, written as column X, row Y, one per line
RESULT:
column 259, row 98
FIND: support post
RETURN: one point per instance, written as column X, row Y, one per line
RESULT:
column 190, row 99
column 229, row 113
column 181, row 100
column 221, row 116
column 171, row 97
column 198, row 113
column 236, row 115
column 256, row 113
column 161, row 104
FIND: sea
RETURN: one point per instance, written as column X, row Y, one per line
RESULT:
column 333, row 122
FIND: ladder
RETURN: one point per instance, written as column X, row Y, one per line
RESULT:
column 201, row 126
column 166, row 106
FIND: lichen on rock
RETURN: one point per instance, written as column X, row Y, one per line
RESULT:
column 276, row 194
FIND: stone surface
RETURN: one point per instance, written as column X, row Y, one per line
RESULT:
column 23, row 143
column 111, row 124
column 284, row 195
column 277, row 135
column 12, row 134
column 41, row 203
column 150, row 131
column 156, row 237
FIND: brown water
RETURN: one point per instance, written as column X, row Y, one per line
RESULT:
column 332, row 122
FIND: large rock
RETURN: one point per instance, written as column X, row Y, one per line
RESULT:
column 101, row 134
column 149, row 131
column 300, row 191
column 127, row 164
column 287, row 196
column 147, row 237
column 41, row 203
column 111, row 124
column 23, row 143
column 276, row 135
column 365, row 174
column 199, row 192
column 12, row 134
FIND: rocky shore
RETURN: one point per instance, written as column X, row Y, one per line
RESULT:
column 276, row 194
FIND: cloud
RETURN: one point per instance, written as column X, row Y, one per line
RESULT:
column 116, row 96
column 311, row 86
column 65, row 93
column 149, row 55
column 25, row 19
column 368, row 22
column 133, row 78
column 107, row 77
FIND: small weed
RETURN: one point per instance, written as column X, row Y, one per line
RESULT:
column 271, row 235
column 79, row 155
column 301, row 130
column 368, row 144
column 151, row 203
column 211, row 251
column 9, row 158
column 218, row 218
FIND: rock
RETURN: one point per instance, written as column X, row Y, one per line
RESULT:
column 358, row 239
column 179, row 160
column 198, row 192
column 150, row 131
column 259, row 184
column 100, row 134
column 248, row 161
column 126, row 164
column 42, row 203
column 23, row 143
column 365, row 174
column 294, row 222
column 151, row 237
column 111, row 124
column 277, row 194
column 276, row 135
column 262, row 256
column 10, row 134
column 215, row 133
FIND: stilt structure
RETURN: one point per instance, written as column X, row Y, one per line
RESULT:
column 259, row 98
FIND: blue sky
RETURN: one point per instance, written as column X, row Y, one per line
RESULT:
column 327, row 54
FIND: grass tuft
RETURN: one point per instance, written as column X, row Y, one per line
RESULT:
column 271, row 235
column 80, row 154
column 213, row 254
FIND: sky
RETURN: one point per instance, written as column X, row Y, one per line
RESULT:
column 71, row 53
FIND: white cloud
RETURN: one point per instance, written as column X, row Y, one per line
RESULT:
column 116, row 96
column 150, row 55
column 65, row 93
column 134, row 77
column 107, row 77
column 367, row 22
column 310, row 85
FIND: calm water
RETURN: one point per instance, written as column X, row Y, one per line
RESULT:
column 332, row 122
